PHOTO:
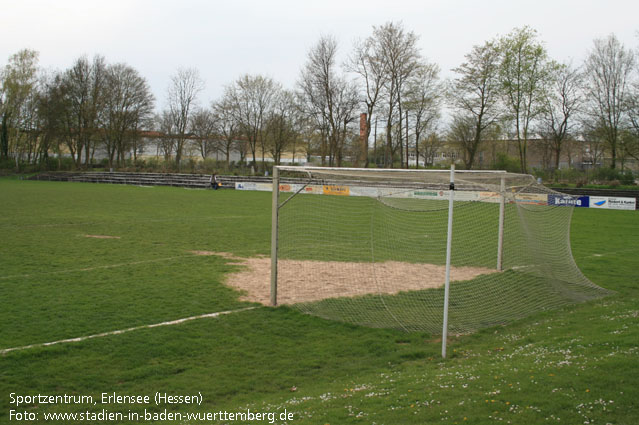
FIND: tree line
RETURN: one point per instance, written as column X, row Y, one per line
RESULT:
column 506, row 88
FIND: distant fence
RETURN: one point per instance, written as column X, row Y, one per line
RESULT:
column 606, row 198
column 194, row 181
column 139, row 179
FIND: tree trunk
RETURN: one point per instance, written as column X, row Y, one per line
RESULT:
column 4, row 137
column 407, row 150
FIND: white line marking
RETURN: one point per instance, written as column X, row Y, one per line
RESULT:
column 87, row 269
column 121, row 331
column 129, row 220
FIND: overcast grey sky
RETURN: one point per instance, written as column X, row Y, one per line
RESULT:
column 224, row 39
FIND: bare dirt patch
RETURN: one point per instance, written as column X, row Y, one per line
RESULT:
column 221, row 254
column 101, row 237
column 226, row 255
column 306, row 281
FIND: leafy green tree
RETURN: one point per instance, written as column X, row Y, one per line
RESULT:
column 18, row 84
column 524, row 70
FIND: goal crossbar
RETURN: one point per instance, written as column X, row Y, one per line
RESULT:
column 382, row 170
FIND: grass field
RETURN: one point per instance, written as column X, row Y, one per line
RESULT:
column 574, row 365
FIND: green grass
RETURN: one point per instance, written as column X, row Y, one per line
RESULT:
column 45, row 255
column 573, row 365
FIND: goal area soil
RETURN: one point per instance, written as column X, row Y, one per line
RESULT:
column 308, row 281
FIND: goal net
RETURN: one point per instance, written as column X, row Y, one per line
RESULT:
column 368, row 247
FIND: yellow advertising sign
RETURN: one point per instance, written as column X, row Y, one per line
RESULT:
column 532, row 198
column 336, row 190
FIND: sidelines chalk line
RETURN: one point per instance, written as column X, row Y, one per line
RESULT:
column 157, row 220
column 87, row 269
column 122, row 331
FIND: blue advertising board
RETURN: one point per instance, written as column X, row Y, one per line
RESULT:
column 569, row 201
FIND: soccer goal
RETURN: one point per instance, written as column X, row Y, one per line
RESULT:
column 420, row 250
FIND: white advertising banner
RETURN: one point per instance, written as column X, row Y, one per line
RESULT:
column 531, row 199
column 622, row 203
column 264, row 187
column 601, row 202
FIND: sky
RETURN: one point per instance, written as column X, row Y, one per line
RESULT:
column 229, row 38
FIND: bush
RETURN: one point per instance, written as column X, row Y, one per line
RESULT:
column 627, row 178
column 507, row 163
column 545, row 175
column 605, row 174
column 571, row 175
column 7, row 164
column 57, row 164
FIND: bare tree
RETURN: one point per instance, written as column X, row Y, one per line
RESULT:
column 628, row 146
column 83, row 88
column 462, row 132
column 593, row 145
column 524, row 70
column 251, row 99
column 226, row 127
column 608, row 68
column 166, row 128
column 183, row 91
column 327, row 98
column 401, row 58
column 475, row 93
column 367, row 62
column 631, row 145
column 430, row 145
column 51, row 109
column 29, row 140
column 282, row 125
column 563, row 101
column 203, row 128
column 127, row 104
column 423, row 100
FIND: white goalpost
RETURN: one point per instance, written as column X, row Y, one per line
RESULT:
column 375, row 247
column 449, row 240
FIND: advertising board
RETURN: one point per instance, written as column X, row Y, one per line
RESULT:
column 336, row 190
column 622, row 203
column 568, row 200
column 264, row 187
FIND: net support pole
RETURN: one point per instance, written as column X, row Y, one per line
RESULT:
column 449, row 241
column 502, row 210
column 274, row 222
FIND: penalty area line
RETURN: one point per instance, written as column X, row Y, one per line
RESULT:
column 122, row 331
